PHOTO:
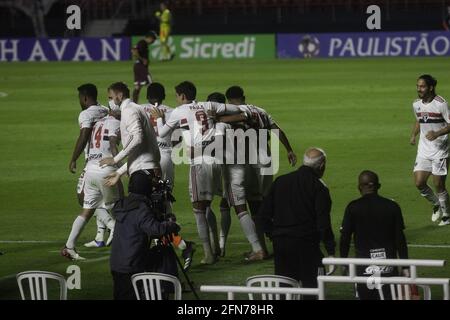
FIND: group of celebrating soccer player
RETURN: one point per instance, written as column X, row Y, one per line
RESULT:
column 151, row 132
column 147, row 135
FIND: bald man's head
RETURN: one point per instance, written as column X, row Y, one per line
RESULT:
column 368, row 182
column 315, row 158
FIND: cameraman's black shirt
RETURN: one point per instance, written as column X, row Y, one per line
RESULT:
column 135, row 226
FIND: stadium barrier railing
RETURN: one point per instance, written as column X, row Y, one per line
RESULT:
column 232, row 290
column 411, row 280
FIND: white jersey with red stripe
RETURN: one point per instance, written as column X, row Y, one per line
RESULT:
column 99, row 145
column 164, row 144
column 432, row 116
column 195, row 118
column 89, row 117
column 260, row 117
column 260, row 120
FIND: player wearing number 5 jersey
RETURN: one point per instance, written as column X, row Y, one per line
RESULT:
column 103, row 143
column 204, row 178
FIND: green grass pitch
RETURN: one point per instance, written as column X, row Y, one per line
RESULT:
column 358, row 110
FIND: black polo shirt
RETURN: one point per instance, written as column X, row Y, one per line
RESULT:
column 298, row 205
column 376, row 224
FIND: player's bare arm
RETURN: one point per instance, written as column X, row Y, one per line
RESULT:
column 113, row 144
column 414, row 133
column 83, row 138
column 112, row 179
column 233, row 118
column 433, row 135
column 292, row 158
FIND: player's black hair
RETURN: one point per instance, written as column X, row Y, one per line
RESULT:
column 429, row 80
column 88, row 90
column 188, row 89
column 234, row 92
column 216, row 97
column 156, row 91
column 120, row 87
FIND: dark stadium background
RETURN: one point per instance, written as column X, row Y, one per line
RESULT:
column 358, row 109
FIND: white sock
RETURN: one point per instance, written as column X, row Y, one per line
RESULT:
column 77, row 228
column 443, row 201
column 248, row 226
column 182, row 245
column 101, row 228
column 104, row 216
column 203, row 230
column 428, row 194
column 225, row 224
column 212, row 223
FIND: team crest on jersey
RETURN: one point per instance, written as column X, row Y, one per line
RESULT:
column 425, row 117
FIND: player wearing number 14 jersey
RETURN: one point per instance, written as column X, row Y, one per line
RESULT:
column 103, row 143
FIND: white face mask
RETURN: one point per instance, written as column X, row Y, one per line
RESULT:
column 113, row 106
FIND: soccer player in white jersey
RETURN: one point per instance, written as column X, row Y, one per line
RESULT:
column 257, row 184
column 90, row 113
column 96, row 195
column 140, row 146
column 224, row 206
column 432, row 122
column 109, row 126
column 205, row 173
column 156, row 94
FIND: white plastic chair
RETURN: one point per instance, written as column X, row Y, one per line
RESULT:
column 37, row 283
column 403, row 292
column 152, row 287
column 273, row 281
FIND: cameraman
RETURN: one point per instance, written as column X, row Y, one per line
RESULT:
column 136, row 224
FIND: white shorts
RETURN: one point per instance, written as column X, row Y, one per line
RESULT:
column 205, row 181
column 80, row 185
column 96, row 194
column 167, row 166
column 233, row 182
column 256, row 184
column 437, row 167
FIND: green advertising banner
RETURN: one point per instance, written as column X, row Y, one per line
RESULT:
column 217, row 46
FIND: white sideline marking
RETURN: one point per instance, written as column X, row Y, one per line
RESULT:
column 10, row 276
column 28, row 241
column 412, row 245
column 80, row 252
column 95, row 260
column 441, row 246
column 444, row 246
column 3, row 94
